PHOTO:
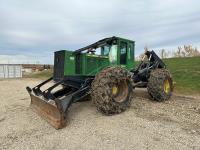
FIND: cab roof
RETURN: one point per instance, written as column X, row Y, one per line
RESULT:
column 101, row 43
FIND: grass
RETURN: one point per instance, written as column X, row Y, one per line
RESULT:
column 42, row 74
column 186, row 74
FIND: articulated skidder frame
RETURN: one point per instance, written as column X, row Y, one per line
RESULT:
column 106, row 72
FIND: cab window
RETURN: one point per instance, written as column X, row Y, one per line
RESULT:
column 105, row 50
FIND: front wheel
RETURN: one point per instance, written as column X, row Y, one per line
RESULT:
column 112, row 90
column 160, row 85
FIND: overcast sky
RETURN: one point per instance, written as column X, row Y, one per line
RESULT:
column 31, row 30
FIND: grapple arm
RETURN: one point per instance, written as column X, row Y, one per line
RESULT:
column 142, row 72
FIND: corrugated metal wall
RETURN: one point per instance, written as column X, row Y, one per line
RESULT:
column 10, row 71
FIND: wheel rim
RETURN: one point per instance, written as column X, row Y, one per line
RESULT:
column 166, row 86
column 114, row 90
column 120, row 91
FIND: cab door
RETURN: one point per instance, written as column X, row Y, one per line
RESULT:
column 123, row 50
column 130, row 56
column 126, row 54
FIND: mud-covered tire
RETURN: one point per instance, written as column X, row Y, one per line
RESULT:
column 102, row 90
column 156, row 85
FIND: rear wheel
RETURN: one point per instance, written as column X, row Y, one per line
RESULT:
column 112, row 90
column 160, row 85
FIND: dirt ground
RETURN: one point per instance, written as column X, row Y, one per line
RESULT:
column 174, row 124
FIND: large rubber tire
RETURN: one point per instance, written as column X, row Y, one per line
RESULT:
column 156, row 85
column 107, row 101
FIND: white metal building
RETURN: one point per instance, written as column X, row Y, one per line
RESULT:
column 10, row 71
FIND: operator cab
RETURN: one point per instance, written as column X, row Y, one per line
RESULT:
column 119, row 51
